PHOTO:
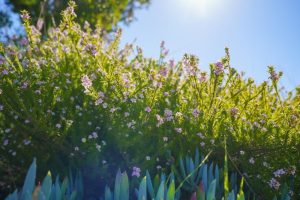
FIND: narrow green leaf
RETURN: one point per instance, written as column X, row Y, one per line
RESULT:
column 117, row 186
column 211, row 193
column 29, row 182
column 226, row 182
column 161, row 191
column 124, row 187
column 171, row 191
column 46, row 188
column 108, row 194
column 149, row 185
column 142, row 195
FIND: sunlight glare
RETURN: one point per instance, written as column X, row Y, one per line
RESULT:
column 200, row 8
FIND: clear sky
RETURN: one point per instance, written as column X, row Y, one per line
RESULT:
column 258, row 32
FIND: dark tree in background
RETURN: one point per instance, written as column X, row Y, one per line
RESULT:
column 106, row 13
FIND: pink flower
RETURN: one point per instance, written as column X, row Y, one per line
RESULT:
column 5, row 142
column 251, row 160
column 219, row 68
column 148, row 109
column 91, row 48
column 168, row 114
column 160, row 120
column 136, row 171
column 178, row 130
column 4, row 72
column 234, row 112
column 196, row 113
column 279, row 172
column 94, row 135
column 98, row 101
column 24, row 85
column 273, row 183
column 200, row 135
column 86, row 82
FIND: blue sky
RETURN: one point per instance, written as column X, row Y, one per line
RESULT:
column 258, row 32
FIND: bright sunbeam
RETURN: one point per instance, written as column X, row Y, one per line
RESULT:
column 199, row 8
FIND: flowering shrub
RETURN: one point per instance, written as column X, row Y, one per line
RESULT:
column 77, row 99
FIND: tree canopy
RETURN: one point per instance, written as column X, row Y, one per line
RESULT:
column 105, row 13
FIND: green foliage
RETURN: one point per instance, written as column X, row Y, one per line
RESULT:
column 46, row 191
column 165, row 191
column 206, row 181
column 75, row 99
column 104, row 13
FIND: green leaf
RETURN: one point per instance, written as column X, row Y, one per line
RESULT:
column 124, row 187
column 211, row 193
column 142, row 195
column 46, row 188
column 58, row 193
column 117, row 185
column 13, row 196
column 29, row 182
column 200, row 193
column 171, row 191
column 231, row 195
column 149, row 185
column 73, row 195
column 226, row 182
column 108, row 194
column 161, row 191
column 64, row 186
column 240, row 195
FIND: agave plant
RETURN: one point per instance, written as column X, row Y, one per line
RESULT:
column 121, row 190
column 207, row 181
column 48, row 190
column 211, row 185
column 198, row 173
column 162, row 188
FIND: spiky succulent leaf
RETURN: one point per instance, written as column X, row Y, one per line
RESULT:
column 124, row 187
column 29, row 182
column 142, row 193
column 211, row 193
column 171, row 191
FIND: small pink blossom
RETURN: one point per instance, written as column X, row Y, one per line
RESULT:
column 273, row 183
column 200, row 135
column 234, row 112
column 160, row 120
column 86, row 82
column 148, row 109
column 178, row 130
column 136, row 171
column 196, row 112
column 168, row 114
column 279, row 172
column 251, row 160
column 219, row 68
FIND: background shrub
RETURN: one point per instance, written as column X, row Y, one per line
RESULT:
column 75, row 99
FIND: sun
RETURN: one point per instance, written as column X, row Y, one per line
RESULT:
column 200, row 8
